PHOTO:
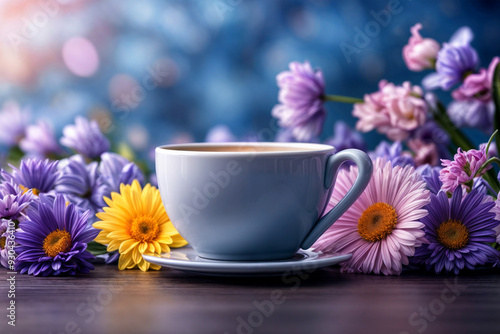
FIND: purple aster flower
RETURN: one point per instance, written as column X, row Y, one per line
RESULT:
column 115, row 170
column 85, row 138
column 455, row 61
column 465, row 167
column 36, row 174
column 393, row 153
column 220, row 134
column 40, row 141
column 472, row 113
column 13, row 123
column 458, row 230
column 13, row 201
column 81, row 184
column 430, row 175
column 344, row 137
column 53, row 240
column 301, row 100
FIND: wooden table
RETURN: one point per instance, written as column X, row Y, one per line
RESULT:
column 326, row 301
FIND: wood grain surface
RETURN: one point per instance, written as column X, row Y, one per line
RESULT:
column 326, row 301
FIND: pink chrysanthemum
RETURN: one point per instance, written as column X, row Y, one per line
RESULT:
column 382, row 228
column 464, row 168
column 394, row 110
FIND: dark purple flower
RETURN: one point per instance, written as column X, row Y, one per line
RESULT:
column 39, row 175
column 53, row 240
column 13, row 123
column 115, row 170
column 40, row 141
column 301, row 101
column 81, row 184
column 85, row 138
column 430, row 132
column 458, row 231
column 344, row 137
column 393, row 153
column 455, row 61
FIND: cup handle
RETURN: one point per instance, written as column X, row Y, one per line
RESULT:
column 365, row 168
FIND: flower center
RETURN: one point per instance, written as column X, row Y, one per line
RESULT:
column 377, row 222
column 144, row 228
column 2, row 242
column 58, row 241
column 35, row 191
column 453, row 234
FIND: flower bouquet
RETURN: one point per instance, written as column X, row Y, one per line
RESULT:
column 431, row 201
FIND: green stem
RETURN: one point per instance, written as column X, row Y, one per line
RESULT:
column 342, row 99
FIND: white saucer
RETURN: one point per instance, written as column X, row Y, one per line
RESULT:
column 186, row 259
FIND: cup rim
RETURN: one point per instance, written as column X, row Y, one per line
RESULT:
column 302, row 148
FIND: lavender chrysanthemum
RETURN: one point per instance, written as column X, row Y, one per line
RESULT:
column 301, row 101
column 13, row 201
column 344, row 137
column 458, row 231
column 13, row 123
column 115, row 170
column 85, row 138
column 53, row 240
column 393, row 153
column 81, row 184
column 36, row 174
column 455, row 59
column 40, row 141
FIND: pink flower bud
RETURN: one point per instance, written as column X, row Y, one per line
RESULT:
column 420, row 53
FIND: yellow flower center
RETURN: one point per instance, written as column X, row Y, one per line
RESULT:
column 453, row 234
column 2, row 242
column 35, row 191
column 377, row 222
column 57, row 242
column 144, row 228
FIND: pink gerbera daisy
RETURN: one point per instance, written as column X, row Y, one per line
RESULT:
column 382, row 228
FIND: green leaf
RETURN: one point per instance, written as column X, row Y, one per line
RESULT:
column 496, row 98
column 96, row 248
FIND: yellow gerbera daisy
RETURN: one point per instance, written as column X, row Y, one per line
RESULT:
column 135, row 222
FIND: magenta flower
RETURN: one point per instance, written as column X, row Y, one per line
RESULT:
column 463, row 169
column 420, row 53
column 382, row 228
column 301, row 101
column 40, row 141
column 13, row 123
column 477, row 85
column 393, row 110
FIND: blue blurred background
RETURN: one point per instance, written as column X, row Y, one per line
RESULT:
column 158, row 71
